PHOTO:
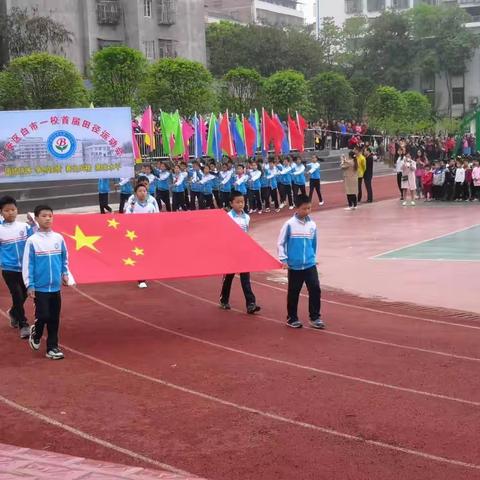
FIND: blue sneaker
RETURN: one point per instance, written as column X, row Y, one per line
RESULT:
column 294, row 324
column 318, row 324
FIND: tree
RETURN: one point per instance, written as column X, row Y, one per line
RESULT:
column 445, row 44
column 363, row 87
column 42, row 81
column 386, row 110
column 262, row 48
column 176, row 83
column 241, row 90
column 418, row 117
column 24, row 32
column 287, row 90
column 332, row 95
column 331, row 41
column 116, row 75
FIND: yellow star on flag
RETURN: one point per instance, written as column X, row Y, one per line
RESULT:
column 138, row 251
column 82, row 240
column 113, row 223
column 128, row 262
column 131, row 235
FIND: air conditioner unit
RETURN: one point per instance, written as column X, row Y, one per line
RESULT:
column 473, row 101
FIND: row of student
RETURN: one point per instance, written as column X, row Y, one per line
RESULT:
column 457, row 180
column 188, row 187
column 34, row 262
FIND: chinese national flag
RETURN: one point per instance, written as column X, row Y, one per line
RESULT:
column 104, row 248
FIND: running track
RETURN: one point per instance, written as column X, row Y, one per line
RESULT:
column 164, row 378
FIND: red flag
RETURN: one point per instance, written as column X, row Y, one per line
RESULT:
column 302, row 126
column 279, row 134
column 146, row 124
column 250, row 137
column 226, row 142
column 269, row 130
column 187, row 133
column 296, row 138
column 157, row 246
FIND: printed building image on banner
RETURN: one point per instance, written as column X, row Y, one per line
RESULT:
column 82, row 143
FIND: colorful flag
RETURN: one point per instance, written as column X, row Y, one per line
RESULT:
column 302, row 126
column 178, row 147
column 226, row 140
column 203, row 132
column 198, row 137
column 147, row 126
column 238, row 136
column 214, row 148
column 172, row 135
column 187, row 133
column 257, row 128
column 136, row 149
column 295, row 137
column 269, row 131
column 250, row 136
column 126, row 248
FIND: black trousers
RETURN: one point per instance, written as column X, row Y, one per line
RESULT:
column 352, row 200
column 14, row 281
column 193, row 197
column 206, row 201
column 296, row 279
column 437, row 192
column 163, row 196
column 449, row 191
column 225, row 199
column 187, row 199
column 360, row 181
column 123, row 200
column 103, row 203
column 254, row 200
column 285, row 192
column 274, row 197
column 399, row 183
column 216, row 196
column 315, row 187
column 47, row 313
column 178, row 200
column 368, row 186
column 298, row 188
column 265, row 194
column 246, row 287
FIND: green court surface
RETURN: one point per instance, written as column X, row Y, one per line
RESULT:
column 458, row 246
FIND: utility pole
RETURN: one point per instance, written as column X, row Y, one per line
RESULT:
column 317, row 17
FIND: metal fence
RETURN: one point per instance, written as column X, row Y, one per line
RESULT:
column 160, row 154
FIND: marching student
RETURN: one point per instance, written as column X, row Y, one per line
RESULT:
column 285, row 183
column 103, row 191
column 264, row 186
column 254, row 199
column 196, row 188
column 240, row 181
column 272, row 176
column 178, row 189
column 216, row 183
column 225, row 185
column 184, row 169
column 126, row 189
column 163, row 186
column 314, row 172
column 298, row 178
column 206, row 199
column 45, row 270
column 297, row 250
column 149, row 172
column 242, row 219
column 13, row 237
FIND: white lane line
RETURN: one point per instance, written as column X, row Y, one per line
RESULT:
column 280, row 418
column 331, row 332
column 91, row 438
column 374, row 310
column 282, row 362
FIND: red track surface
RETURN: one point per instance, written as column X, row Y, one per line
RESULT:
column 387, row 391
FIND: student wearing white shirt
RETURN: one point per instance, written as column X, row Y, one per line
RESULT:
column 398, row 169
column 459, row 182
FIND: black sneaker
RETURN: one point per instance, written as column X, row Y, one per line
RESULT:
column 34, row 344
column 253, row 308
column 13, row 320
column 225, row 306
column 55, row 354
column 294, row 324
column 318, row 324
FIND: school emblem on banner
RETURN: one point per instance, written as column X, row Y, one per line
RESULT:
column 62, row 144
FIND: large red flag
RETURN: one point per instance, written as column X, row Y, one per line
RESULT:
column 158, row 246
column 269, row 130
column 302, row 126
column 250, row 137
column 226, row 134
column 296, row 138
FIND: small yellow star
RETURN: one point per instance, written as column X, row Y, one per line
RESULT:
column 131, row 235
column 138, row 251
column 82, row 240
column 128, row 262
column 113, row 223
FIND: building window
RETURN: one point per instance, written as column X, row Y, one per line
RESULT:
column 400, row 4
column 149, row 49
column 102, row 43
column 353, row 7
column 166, row 12
column 147, row 8
column 166, row 48
column 458, row 96
column 375, row 5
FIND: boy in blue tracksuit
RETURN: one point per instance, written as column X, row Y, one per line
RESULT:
column 103, row 191
column 196, row 188
column 285, row 183
column 45, row 269
column 126, row 190
column 225, row 185
column 314, row 172
column 297, row 250
column 13, row 237
column 298, row 179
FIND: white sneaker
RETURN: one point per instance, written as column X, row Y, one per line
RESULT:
column 277, row 210
column 321, row 203
column 348, row 208
column 291, row 208
column 142, row 285
column 412, row 203
column 404, row 203
column 282, row 205
column 55, row 354
column 267, row 210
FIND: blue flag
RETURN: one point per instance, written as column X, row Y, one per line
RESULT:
column 237, row 139
column 252, row 120
column 198, row 137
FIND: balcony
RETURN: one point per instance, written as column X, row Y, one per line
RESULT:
column 166, row 12
column 109, row 12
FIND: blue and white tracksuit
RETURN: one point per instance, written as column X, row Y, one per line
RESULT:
column 314, row 171
column 103, row 185
column 298, row 174
column 162, row 183
column 240, row 184
column 13, row 237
